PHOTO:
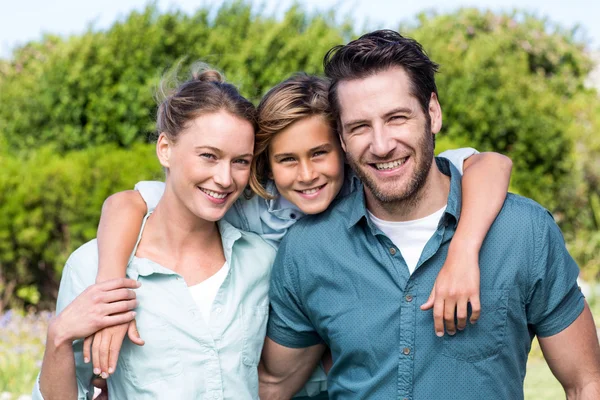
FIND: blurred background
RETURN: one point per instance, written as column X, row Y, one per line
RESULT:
column 77, row 81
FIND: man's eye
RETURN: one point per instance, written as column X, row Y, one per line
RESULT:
column 398, row 118
column 358, row 128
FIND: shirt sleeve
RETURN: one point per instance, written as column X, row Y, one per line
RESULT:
column 151, row 192
column 458, row 156
column 70, row 288
column 555, row 300
column 288, row 324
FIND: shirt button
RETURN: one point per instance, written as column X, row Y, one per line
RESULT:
column 392, row 251
column 409, row 298
column 218, row 310
column 216, row 395
column 293, row 216
column 406, row 351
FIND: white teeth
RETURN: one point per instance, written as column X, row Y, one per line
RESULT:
column 214, row 194
column 312, row 191
column 390, row 165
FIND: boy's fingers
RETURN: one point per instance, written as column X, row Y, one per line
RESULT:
column 87, row 343
column 119, row 283
column 449, row 307
column 96, row 353
column 134, row 334
column 475, row 309
column 429, row 303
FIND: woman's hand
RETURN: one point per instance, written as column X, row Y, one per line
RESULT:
column 99, row 306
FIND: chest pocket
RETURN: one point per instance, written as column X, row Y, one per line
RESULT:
column 158, row 359
column 254, row 322
column 485, row 338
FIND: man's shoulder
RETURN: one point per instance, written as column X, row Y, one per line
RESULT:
column 523, row 208
column 523, row 219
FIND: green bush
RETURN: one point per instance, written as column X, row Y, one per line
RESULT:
column 76, row 113
column 98, row 87
column 50, row 204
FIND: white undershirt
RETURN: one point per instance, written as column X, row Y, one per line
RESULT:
column 410, row 236
column 205, row 292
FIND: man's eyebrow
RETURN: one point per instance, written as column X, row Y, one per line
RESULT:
column 398, row 110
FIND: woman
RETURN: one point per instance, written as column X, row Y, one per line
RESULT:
column 205, row 145
column 298, row 170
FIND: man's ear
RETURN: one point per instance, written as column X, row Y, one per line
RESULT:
column 163, row 149
column 341, row 137
column 435, row 113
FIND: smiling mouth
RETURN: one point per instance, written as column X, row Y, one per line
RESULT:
column 213, row 194
column 313, row 190
column 386, row 166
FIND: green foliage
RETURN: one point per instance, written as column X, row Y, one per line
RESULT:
column 76, row 112
column 50, row 204
column 504, row 83
column 98, row 87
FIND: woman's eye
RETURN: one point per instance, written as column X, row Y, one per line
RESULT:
column 287, row 160
column 209, row 156
column 242, row 162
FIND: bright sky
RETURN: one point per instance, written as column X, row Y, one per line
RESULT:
column 25, row 20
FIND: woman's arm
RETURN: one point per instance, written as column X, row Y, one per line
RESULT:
column 99, row 306
column 484, row 188
column 120, row 222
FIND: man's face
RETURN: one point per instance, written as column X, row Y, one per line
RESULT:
column 387, row 137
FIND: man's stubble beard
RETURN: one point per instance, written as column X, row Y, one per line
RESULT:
column 409, row 195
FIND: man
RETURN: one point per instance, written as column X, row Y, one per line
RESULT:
column 352, row 277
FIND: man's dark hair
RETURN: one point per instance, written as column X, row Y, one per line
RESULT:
column 375, row 52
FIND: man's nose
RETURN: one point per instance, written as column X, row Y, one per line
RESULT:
column 382, row 144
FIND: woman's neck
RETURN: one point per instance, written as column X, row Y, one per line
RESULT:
column 175, row 237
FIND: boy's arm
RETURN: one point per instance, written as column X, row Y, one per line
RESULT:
column 98, row 306
column 120, row 222
column 484, row 188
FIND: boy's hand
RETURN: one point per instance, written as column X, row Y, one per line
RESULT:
column 106, row 345
column 456, row 285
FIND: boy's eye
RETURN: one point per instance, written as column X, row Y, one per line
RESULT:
column 319, row 153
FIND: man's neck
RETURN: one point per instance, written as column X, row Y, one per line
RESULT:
column 431, row 197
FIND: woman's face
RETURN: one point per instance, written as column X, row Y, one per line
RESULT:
column 307, row 164
column 209, row 164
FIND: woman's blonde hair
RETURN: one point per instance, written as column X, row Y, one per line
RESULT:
column 298, row 97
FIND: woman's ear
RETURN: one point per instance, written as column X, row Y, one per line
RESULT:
column 163, row 149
